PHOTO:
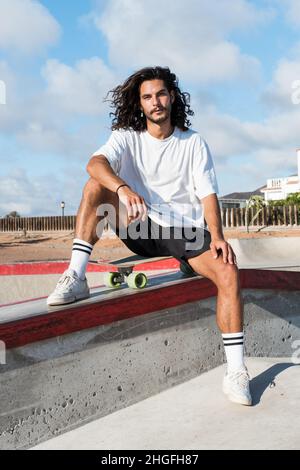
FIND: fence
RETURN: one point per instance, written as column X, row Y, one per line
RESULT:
column 285, row 216
column 279, row 216
column 43, row 224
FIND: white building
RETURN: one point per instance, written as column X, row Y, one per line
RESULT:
column 238, row 200
column 280, row 188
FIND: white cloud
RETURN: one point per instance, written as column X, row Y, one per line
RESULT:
column 44, row 140
column 280, row 92
column 225, row 134
column 292, row 12
column 26, row 195
column 247, row 153
column 27, row 26
column 192, row 38
column 7, row 83
column 65, row 115
column 258, row 149
column 230, row 136
column 62, row 118
column 79, row 89
column 277, row 131
column 40, row 194
column 10, row 118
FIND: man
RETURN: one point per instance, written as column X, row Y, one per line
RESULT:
column 162, row 173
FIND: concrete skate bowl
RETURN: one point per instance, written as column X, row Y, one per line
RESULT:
column 68, row 365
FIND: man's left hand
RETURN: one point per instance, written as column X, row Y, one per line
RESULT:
column 218, row 245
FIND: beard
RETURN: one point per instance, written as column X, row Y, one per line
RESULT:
column 159, row 119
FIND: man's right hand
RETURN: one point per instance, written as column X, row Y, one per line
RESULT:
column 135, row 204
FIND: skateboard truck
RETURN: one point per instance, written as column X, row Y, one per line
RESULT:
column 135, row 280
column 125, row 273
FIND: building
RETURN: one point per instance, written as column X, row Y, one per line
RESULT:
column 280, row 188
column 237, row 200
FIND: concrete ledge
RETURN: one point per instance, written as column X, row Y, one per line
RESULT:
column 55, row 385
column 102, row 310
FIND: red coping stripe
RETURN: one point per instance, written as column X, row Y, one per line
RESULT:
column 68, row 320
column 58, row 267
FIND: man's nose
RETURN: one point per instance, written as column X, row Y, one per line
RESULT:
column 155, row 101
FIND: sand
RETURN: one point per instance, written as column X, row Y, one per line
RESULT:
column 57, row 246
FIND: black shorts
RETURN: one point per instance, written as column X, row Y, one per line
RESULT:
column 150, row 240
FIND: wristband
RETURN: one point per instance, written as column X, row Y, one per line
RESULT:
column 121, row 186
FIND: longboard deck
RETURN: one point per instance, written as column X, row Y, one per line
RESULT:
column 125, row 273
column 129, row 261
column 125, row 270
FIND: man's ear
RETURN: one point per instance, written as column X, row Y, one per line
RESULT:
column 172, row 96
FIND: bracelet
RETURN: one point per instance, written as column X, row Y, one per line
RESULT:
column 121, row 186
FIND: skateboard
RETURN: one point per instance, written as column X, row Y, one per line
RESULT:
column 125, row 273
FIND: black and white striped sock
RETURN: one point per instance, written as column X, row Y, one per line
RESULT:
column 234, row 350
column 81, row 252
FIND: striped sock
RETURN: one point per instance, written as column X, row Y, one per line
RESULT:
column 81, row 252
column 234, row 350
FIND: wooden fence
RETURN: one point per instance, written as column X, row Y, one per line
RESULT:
column 279, row 216
column 33, row 224
column 285, row 216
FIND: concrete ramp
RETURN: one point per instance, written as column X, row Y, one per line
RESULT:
column 24, row 281
column 263, row 253
column 70, row 365
column 196, row 415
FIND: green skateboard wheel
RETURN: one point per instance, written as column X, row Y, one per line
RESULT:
column 112, row 280
column 137, row 280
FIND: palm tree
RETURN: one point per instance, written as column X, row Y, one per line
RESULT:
column 12, row 214
column 293, row 199
column 258, row 204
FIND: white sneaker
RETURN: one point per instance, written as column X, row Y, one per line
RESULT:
column 236, row 387
column 69, row 289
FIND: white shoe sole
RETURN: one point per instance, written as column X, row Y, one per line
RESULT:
column 237, row 398
column 61, row 301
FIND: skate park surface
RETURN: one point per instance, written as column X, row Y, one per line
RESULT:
column 141, row 370
column 195, row 415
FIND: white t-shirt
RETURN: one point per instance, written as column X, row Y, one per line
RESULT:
column 172, row 174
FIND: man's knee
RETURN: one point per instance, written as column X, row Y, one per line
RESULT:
column 227, row 277
column 92, row 190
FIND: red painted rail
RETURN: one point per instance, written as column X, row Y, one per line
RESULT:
column 58, row 267
column 105, row 311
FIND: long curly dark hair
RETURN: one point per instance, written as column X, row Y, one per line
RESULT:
column 125, row 99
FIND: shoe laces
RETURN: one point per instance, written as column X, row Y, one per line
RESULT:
column 240, row 377
column 67, row 281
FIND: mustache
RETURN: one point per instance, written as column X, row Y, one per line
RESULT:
column 158, row 109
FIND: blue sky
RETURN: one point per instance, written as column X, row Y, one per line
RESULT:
column 58, row 59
